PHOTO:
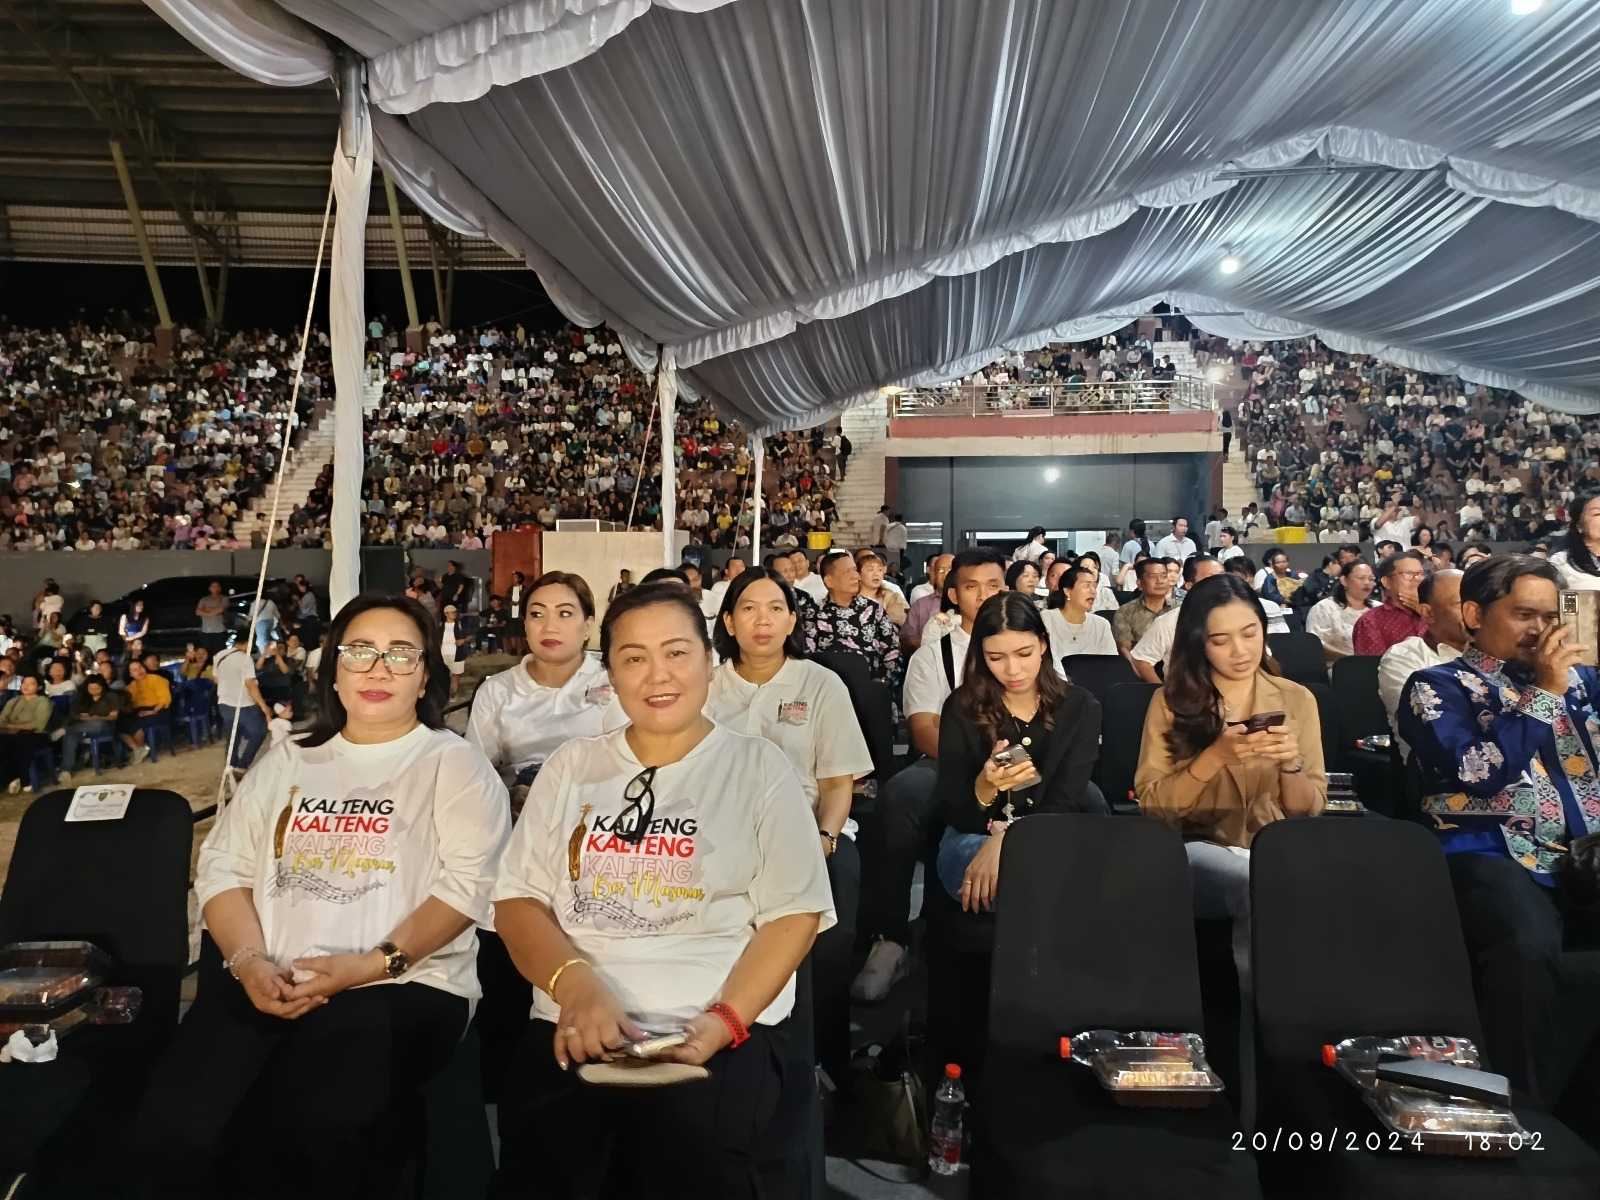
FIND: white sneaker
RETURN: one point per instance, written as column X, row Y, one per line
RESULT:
column 13, row 787
column 139, row 755
column 886, row 966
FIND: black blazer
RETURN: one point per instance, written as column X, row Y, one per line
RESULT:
column 1063, row 768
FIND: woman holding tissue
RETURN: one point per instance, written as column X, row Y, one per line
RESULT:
column 341, row 887
column 664, row 879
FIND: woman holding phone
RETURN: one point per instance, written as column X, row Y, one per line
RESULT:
column 666, row 878
column 1015, row 739
column 1228, row 747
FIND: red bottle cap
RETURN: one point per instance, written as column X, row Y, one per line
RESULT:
column 1066, row 1047
column 952, row 1071
column 1330, row 1056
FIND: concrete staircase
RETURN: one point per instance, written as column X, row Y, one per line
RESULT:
column 860, row 496
column 1238, row 489
column 1180, row 354
column 305, row 464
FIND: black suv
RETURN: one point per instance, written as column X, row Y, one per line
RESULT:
column 169, row 603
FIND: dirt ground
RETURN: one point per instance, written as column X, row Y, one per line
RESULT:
column 194, row 773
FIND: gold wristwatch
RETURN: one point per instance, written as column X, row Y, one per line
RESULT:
column 396, row 962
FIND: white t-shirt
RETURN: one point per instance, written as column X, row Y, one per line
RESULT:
column 1333, row 623
column 1156, row 644
column 732, row 845
column 926, row 687
column 341, row 842
column 922, row 589
column 1397, row 530
column 233, row 669
column 1571, row 578
column 1093, row 636
column 1227, row 552
column 813, row 586
column 805, row 711
column 518, row 723
column 1181, row 549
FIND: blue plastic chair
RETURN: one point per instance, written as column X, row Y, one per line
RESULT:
column 42, row 769
column 103, row 743
column 155, row 730
column 197, row 702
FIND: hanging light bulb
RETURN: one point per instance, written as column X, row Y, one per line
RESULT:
column 1230, row 264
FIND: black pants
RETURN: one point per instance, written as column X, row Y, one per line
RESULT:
column 563, row 1139
column 830, row 959
column 1536, row 973
column 244, row 1104
column 1227, row 440
column 909, row 824
column 16, row 754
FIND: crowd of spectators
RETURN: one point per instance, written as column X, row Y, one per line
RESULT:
column 103, row 447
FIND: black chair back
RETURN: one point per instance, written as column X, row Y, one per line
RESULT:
column 1299, row 656
column 1328, row 718
column 1096, row 673
column 873, row 704
column 1094, row 929
column 1122, row 731
column 1355, row 688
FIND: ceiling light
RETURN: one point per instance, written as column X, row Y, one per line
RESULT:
column 1230, row 264
column 1521, row 8
column 1051, row 474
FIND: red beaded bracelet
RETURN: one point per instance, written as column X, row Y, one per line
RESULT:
column 728, row 1017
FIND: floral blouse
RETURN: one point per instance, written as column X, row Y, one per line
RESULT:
column 863, row 628
column 1507, row 767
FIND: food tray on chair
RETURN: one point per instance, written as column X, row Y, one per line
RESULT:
column 41, row 980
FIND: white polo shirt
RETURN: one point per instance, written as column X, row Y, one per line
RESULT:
column 518, row 723
column 813, row 586
column 926, row 687
column 1093, row 636
column 232, row 670
column 732, row 846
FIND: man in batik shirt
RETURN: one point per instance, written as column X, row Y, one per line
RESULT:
column 846, row 621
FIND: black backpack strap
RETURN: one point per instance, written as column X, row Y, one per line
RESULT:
column 949, row 657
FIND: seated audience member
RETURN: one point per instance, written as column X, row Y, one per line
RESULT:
column 306, row 930
column 1154, row 598
column 847, row 621
column 1279, row 581
column 1400, row 615
column 713, row 955
column 1073, row 626
column 1504, row 738
column 1473, row 552
column 1155, row 647
column 1579, row 562
column 241, row 704
column 196, row 664
column 94, row 714
column 1204, row 772
column 1105, row 597
column 1332, row 621
column 806, row 581
column 1009, row 696
column 767, row 688
column 1444, row 639
column 23, row 722
column 148, row 695
column 1320, row 584
column 910, row 819
column 1022, row 576
column 559, row 691
column 879, row 590
column 927, row 587
column 1245, row 569
column 927, row 606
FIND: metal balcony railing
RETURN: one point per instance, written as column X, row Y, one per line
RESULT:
column 1186, row 393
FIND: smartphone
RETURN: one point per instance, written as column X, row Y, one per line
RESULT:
column 1013, row 756
column 1262, row 721
column 651, row 1047
column 1580, row 613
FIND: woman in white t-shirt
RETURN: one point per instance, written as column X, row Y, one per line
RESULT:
column 666, row 877
column 1332, row 620
column 1579, row 563
column 340, row 888
column 766, row 687
column 1074, row 627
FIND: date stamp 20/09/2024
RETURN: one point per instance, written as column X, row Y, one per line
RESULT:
column 1336, row 1140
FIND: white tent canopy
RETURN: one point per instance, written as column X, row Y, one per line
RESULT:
column 805, row 200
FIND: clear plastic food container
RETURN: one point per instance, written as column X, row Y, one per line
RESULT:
column 1438, row 1124
column 1145, row 1069
column 40, row 979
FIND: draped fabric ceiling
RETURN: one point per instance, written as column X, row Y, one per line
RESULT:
column 806, row 200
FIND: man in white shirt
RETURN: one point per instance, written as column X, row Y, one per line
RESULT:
column 805, row 579
column 1440, row 602
column 1214, row 528
column 1395, row 523
column 1156, row 644
column 909, row 808
column 239, row 693
column 1177, row 544
column 895, row 537
column 1075, row 628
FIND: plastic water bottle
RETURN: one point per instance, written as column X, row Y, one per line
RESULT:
column 944, row 1138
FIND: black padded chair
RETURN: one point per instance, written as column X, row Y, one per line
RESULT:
column 874, row 707
column 1097, row 673
column 1355, row 932
column 1328, row 718
column 1299, row 656
column 1122, row 731
column 122, row 885
column 1361, row 714
column 1094, row 930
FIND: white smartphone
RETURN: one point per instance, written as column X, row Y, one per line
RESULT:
column 651, row 1047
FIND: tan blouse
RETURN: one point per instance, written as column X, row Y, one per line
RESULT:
column 1236, row 802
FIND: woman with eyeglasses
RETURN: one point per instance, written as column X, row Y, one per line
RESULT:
column 340, row 887
column 766, row 687
column 666, row 878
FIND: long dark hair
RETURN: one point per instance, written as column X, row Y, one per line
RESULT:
column 982, row 697
column 726, row 644
column 331, row 715
column 1578, row 555
column 1191, row 696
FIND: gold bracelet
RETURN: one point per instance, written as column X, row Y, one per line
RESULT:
column 555, row 976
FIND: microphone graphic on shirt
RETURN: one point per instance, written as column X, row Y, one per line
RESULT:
column 575, row 843
column 282, row 826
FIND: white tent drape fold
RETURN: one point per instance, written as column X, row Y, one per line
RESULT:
column 758, row 458
column 254, row 37
column 352, row 187
column 667, row 401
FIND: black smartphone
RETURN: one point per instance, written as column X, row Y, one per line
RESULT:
column 1262, row 721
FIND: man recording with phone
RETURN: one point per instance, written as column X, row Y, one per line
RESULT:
column 1505, row 739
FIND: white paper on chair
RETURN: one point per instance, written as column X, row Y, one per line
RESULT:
column 100, row 802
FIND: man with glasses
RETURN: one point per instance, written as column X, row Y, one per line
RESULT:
column 1400, row 615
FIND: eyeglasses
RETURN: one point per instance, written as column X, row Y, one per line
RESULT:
column 401, row 660
column 641, row 806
